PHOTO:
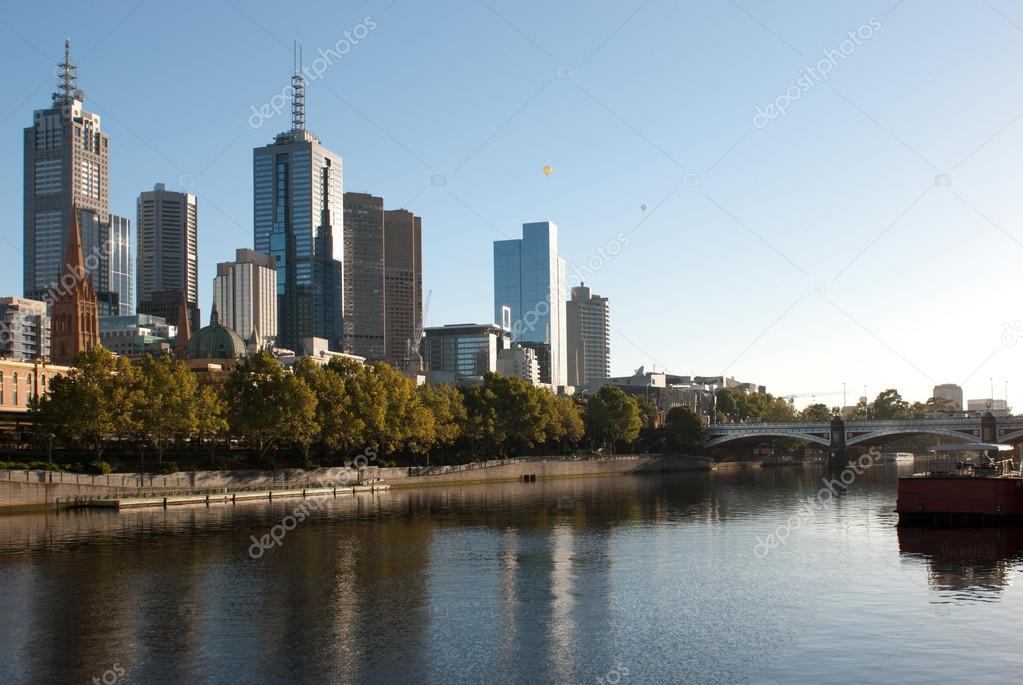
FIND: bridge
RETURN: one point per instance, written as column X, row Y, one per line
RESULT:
column 838, row 434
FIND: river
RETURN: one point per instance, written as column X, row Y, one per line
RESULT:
column 736, row 576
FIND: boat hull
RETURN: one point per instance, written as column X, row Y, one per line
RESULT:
column 960, row 500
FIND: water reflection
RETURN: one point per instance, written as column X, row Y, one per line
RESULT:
column 971, row 563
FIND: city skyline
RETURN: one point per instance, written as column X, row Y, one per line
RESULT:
column 762, row 291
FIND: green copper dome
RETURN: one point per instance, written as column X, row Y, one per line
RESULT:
column 216, row 342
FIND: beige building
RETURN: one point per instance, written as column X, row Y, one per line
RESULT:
column 20, row 382
column 951, row 393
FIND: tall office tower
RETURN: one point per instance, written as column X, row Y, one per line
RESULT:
column 168, row 253
column 364, row 276
column 403, row 285
column 106, row 244
column 951, row 393
column 529, row 279
column 297, row 198
column 245, row 295
column 24, row 329
column 589, row 337
column 66, row 165
column 74, row 324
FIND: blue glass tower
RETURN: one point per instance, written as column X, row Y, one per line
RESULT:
column 529, row 295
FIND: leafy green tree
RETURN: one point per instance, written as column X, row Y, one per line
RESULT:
column 445, row 405
column 890, row 405
column 168, row 411
column 816, row 413
column 612, row 417
column 210, row 415
column 685, row 430
column 268, row 406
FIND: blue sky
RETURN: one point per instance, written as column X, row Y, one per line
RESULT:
column 869, row 236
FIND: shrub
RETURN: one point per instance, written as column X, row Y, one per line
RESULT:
column 102, row 468
column 166, row 467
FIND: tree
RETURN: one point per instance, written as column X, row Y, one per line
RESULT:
column 817, row 413
column 612, row 417
column 210, row 415
column 685, row 430
column 890, row 405
column 444, row 403
column 169, row 408
column 268, row 406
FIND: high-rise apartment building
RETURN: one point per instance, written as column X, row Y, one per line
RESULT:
column 168, row 253
column 66, row 165
column 245, row 295
column 403, row 284
column 951, row 393
column 529, row 280
column 364, row 332
column 297, row 209
column 24, row 329
column 589, row 337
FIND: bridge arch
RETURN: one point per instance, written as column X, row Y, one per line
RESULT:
column 720, row 440
column 905, row 432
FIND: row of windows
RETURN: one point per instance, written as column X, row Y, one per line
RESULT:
column 15, row 387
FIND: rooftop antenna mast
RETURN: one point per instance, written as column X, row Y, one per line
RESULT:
column 67, row 79
column 297, row 92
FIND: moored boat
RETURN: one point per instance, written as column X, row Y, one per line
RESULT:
column 964, row 484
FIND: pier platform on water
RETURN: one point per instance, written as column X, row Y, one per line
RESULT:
column 208, row 497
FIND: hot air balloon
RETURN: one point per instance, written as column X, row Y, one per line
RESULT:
column 547, row 170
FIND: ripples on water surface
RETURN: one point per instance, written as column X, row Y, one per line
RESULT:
column 640, row 579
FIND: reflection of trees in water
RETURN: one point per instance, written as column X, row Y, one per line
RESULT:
column 974, row 559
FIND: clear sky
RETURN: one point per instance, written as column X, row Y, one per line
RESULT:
column 871, row 235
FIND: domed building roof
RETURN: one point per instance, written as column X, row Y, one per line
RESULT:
column 216, row 341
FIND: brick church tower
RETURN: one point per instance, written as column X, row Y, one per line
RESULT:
column 74, row 316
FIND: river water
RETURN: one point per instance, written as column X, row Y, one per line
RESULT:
column 635, row 579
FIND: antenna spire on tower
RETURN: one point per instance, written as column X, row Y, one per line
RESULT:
column 67, row 79
column 297, row 92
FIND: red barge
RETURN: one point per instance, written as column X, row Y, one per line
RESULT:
column 965, row 485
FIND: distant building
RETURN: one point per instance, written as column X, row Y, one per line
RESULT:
column 168, row 253
column 74, row 316
column 667, row 391
column 365, row 329
column 216, row 348
column 529, row 280
column 137, row 335
column 588, row 318
column 951, row 393
column 403, row 284
column 298, row 215
column 463, row 350
column 317, row 350
column 519, row 362
column 245, row 294
column 982, row 406
column 24, row 329
column 66, row 168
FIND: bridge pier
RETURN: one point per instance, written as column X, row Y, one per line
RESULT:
column 836, row 452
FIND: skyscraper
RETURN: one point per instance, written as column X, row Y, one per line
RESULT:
column 66, row 165
column 297, row 198
column 589, row 337
column 245, row 295
column 364, row 275
column 529, row 279
column 403, row 284
column 168, row 253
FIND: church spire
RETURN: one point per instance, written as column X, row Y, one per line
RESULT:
column 184, row 330
column 74, row 314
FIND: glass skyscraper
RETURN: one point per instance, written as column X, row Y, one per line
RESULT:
column 529, row 280
column 297, row 198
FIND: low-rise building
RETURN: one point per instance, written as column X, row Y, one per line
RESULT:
column 520, row 362
column 459, row 351
column 21, row 382
column 136, row 336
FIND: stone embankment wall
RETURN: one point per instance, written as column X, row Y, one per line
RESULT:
column 41, row 488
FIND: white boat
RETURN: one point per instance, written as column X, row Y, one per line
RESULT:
column 900, row 457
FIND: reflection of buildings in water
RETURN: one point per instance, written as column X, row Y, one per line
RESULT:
column 965, row 558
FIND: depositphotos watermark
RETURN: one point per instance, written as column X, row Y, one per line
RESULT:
column 313, row 72
column 809, row 508
column 814, row 74
column 602, row 255
column 115, row 675
column 615, row 675
column 275, row 538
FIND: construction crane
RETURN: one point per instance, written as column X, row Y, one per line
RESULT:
column 812, row 395
column 414, row 360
